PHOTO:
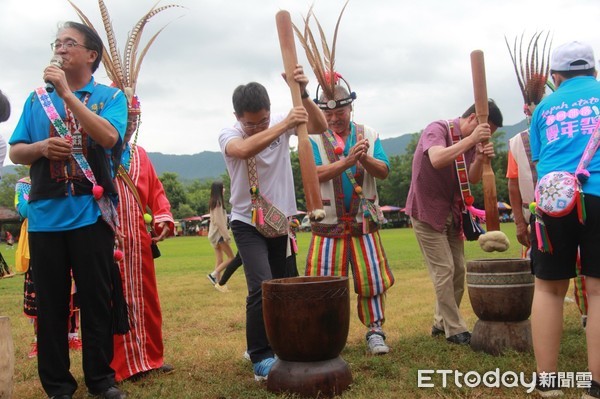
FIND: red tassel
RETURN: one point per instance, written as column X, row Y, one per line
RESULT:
column 583, row 212
column 548, row 243
column 261, row 217
column 544, row 244
column 538, row 234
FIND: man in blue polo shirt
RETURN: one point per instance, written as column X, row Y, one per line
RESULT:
column 67, row 228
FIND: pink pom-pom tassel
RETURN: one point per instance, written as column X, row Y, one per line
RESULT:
column 118, row 255
column 261, row 217
column 97, row 191
column 480, row 213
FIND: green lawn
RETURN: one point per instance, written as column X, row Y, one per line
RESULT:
column 204, row 332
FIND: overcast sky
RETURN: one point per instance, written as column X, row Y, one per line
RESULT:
column 408, row 61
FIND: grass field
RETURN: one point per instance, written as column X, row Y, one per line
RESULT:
column 204, row 333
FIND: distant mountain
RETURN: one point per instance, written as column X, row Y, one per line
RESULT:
column 210, row 164
column 207, row 164
column 511, row 130
column 397, row 145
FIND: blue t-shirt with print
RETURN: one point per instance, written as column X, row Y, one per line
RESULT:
column 561, row 127
column 69, row 212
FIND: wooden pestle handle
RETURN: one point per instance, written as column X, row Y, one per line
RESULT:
column 482, row 111
column 308, row 168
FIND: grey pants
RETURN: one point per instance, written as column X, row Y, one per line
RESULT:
column 264, row 259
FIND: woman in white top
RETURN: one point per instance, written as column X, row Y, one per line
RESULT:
column 218, row 233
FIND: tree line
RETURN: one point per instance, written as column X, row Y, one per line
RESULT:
column 191, row 198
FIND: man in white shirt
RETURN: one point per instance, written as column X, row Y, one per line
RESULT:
column 258, row 134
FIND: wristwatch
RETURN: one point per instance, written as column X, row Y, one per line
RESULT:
column 305, row 94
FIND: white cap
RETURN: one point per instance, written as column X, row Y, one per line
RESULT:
column 572, row 56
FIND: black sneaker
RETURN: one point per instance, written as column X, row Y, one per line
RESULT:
column 592, row 392
column 545, row 391
column 437, row 332
column 464, row 338
column 111, row 393
column 211, row 278
column 166, row 368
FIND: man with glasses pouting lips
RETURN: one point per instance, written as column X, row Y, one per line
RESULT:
column 262, row 138
column 69, row 136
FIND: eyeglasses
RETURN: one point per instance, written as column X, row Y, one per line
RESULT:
column 255, row 126
column 66, row 45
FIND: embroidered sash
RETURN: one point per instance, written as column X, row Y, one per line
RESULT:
column 107, row 208
column 470, row 215
column 463, row 177
column 266, row 217
column 367, row 207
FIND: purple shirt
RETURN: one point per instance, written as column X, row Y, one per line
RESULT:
column 434, row 193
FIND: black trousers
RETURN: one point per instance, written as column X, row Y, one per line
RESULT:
column 88, row 251
column 236, row 262
column 264, row 259
column 230, row 269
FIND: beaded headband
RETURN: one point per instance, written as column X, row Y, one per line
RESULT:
column 332, row 103
column 323, row 67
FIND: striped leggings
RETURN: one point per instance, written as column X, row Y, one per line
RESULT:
column 370, row 270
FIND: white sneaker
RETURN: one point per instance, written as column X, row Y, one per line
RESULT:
column 247, row 356
column 221, row 288
column 376, row 343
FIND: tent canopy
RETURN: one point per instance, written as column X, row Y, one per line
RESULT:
column 390, row 208
column 193, row 218
column 503, row 206
column 9, row 215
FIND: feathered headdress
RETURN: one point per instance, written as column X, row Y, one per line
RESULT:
column 532, row 71
column 124, row 71
column 324, row 68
